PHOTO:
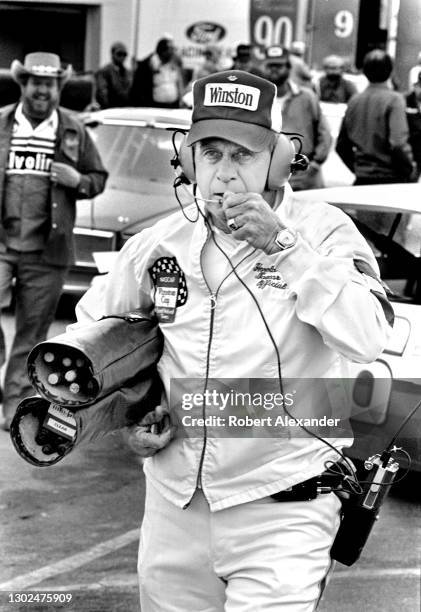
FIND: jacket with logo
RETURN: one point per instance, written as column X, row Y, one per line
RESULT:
column 75, row 148
column 321, row 309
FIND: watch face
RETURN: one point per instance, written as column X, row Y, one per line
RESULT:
column 288, row 239
column 285, row 239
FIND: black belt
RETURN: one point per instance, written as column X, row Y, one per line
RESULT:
column 311, row 488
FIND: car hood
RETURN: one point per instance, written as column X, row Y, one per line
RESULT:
column 126, row 211
column 396, row 197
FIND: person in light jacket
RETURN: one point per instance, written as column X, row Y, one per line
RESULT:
column 256, row 296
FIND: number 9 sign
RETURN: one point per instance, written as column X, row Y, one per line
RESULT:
column 344, row 24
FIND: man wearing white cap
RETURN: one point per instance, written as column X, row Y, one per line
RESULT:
column 47, row 161
column 247, row 286
column 301, row 113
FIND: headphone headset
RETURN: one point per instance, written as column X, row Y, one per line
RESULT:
column 284, row 161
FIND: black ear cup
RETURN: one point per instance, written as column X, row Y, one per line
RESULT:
column 300, row 164
column 279, row 169
column 185, row 156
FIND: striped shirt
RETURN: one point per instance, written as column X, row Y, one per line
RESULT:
column 26, row 200
column 32, row 149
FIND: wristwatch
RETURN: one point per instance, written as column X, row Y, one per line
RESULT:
column 286, row 238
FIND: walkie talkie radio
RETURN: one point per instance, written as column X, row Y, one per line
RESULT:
column 361, row 510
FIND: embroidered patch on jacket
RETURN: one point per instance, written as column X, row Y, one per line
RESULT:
column 170, row 288
column 268, row 276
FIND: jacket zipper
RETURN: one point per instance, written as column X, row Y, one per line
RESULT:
column 213, row 299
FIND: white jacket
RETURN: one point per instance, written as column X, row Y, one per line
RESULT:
column 321, row 311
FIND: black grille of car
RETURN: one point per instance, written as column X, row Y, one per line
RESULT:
column 89, row 241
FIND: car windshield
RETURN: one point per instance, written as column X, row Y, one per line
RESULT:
column 134, row 155
column 396, row 242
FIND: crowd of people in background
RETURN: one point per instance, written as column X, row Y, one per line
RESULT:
column 160, row 80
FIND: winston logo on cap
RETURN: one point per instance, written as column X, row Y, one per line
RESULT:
column 229, row 94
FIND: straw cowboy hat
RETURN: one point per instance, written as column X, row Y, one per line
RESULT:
column 42, row 65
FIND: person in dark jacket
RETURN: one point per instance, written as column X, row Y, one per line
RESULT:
column 332, row 86
column 47, row 161
column 244, row 60
column 413, row 115
column 158, row 79
column 300, row 72
column 113, row 81
column 373, row 139
column 302, row 114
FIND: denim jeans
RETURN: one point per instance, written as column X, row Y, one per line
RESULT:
column 37, row 291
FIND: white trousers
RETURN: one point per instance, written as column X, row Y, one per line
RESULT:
column 255, row 557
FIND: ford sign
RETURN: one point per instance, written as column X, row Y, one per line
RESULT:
column 205, row 32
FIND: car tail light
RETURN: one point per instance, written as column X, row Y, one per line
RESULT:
column 88, row 241
column 371, row 391
column 399, row 337
column 363, row 389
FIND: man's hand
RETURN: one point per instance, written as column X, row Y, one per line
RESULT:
column 253, row 218
column 152, row 434
column 62, row 174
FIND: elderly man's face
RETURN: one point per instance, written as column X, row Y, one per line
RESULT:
column 223, row 166
column 40, row 96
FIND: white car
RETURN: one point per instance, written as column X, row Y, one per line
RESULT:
column 136, row 147
column 385, row 392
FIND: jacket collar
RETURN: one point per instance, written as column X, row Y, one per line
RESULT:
column 294, row 88
column 51, row 120
column 384, row 85
column 7, row 116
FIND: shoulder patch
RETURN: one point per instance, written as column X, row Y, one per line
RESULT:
column 170, row 265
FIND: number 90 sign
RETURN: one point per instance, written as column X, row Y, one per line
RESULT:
column 344, row 24
column 268, row 32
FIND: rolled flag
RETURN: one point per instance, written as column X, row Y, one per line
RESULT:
column 43, row 433
column 84, row 364
column 92, row 380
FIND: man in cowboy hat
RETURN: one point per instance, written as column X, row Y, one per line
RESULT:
column 47, row 162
